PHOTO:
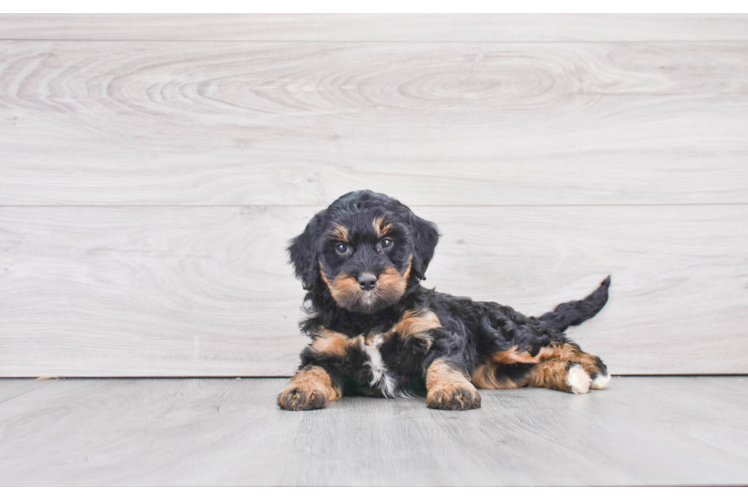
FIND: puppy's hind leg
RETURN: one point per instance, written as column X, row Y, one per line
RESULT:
column 567, row 368
column 563, row 367
column 560, row 375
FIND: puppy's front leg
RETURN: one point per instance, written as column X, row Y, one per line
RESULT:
column 310, row 389
column 320, row 378
column 448, row 388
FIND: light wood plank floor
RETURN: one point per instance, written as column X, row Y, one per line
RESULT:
column 642, row 431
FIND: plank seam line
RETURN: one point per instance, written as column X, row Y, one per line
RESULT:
column 536, row 42
column 25, row 392
column 288, row 375
column 411, row 205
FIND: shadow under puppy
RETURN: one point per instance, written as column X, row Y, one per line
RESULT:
column 376, row 331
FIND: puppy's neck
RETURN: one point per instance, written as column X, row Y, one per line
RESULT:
column 323, row 311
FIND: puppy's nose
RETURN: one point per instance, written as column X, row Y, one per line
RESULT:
column 367, row 281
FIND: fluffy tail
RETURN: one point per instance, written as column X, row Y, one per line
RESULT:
column 575, row 312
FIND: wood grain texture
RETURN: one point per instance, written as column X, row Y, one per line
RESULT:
column 207, row 291
column 376, row 27
column 154, row 166
column 639, row 431
column 209, row 123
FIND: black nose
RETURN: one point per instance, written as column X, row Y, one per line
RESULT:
column 367, row 281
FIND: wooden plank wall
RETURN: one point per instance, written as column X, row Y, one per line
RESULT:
column 153, row 168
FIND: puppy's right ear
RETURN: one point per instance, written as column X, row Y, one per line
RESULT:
column 303, row 253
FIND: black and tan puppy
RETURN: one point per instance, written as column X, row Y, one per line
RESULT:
column 376, row 331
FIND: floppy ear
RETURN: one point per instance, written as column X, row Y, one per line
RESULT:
column 425, row 238
column 303, row 253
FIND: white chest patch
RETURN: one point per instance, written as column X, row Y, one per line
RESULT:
column 380, row 378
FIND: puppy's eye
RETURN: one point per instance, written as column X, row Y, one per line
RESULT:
column 342, row 249
column 384, row 245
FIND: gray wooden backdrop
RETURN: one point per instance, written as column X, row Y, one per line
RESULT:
column 152, row 169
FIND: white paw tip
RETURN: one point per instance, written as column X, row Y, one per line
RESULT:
column 578, row 380
column 600, row 382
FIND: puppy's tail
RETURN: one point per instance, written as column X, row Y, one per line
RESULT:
column 575, row 312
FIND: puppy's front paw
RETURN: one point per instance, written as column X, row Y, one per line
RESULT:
column 298, row 399
column 310, row 389
column 453, row 398
column 449, row 388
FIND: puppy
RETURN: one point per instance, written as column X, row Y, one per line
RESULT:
column 376, row 331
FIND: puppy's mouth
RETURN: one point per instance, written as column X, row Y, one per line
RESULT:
column 348, row 294
column 370, row 301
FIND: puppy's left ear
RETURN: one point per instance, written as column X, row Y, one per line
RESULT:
column 425, row 238
column 303, row 253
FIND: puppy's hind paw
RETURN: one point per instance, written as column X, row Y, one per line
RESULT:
column 600, row 381
column 578, row 380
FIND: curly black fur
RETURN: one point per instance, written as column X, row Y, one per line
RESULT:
column 467, row 335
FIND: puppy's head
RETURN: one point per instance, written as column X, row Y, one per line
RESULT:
column 364, row 248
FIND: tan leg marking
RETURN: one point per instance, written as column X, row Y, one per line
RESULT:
column 563, row 352
column 560, row 367
column 331, row 343
column 449, row 389
column 511, row 356
column 484, row 376
column 311, row 388
column 582, row 370
column 560, row 375
column 417, row 324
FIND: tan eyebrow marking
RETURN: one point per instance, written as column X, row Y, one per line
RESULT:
column 340, row 232
column 381, row 226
